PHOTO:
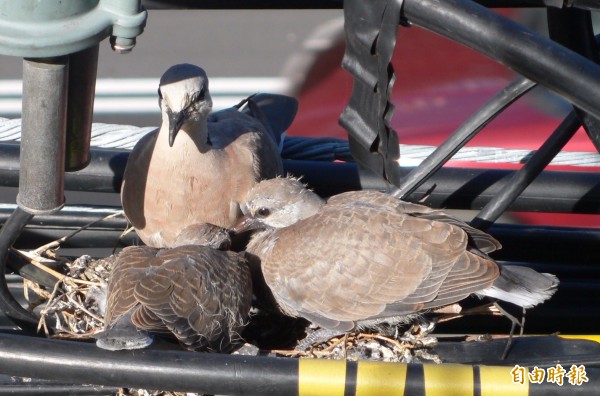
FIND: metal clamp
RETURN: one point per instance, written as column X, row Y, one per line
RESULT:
column 50, row 28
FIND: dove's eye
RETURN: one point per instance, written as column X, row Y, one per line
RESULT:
column 263, row 212
column 198, row 96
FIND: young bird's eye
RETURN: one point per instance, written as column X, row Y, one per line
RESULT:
column 262, row 212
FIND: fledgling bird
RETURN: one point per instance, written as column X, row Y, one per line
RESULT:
column 198, row 166
column 365, row 257
column 200, row 295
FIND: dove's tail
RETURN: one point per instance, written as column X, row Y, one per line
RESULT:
column 123, row 335
column 522, row 286
column 276, row 112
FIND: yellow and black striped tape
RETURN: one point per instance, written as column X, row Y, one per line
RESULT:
column 340, row 378
column 588, row 337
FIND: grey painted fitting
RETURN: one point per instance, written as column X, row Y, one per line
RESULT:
column 49, row 28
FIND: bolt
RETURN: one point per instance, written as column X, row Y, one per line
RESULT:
column 122, row 45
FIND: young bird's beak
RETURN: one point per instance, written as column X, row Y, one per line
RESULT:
column 247, row 223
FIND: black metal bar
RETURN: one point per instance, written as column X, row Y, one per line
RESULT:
column 526, row 352
column 11, row 385
column 521, row 3
column 592, row 5
column 336, row 4
column 550, row 192
column 458, row 188
column 464, row 188
column 518, row 182
column 8, row 235
column 574, row 29
column 241, row 4
column 574, row 77
column 547, row 244
column 147, row 369
column 45, row 389
column 104, row 173
column 83, row 67
column 241, row 375
column 463, row 135
column 73, row 217
column 329, row 4
column 531, row 243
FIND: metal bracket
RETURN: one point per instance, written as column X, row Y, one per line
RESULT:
column 50, row 28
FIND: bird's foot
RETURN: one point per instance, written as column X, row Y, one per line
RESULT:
column 418, row 334
column 514, row 323
column 385, row 343
column 315, row 337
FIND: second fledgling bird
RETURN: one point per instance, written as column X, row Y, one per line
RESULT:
column 194, row 292
column 365, row 257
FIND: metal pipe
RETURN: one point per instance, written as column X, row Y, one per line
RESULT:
column 457, row 188
column 513, row 186
column 148, row 369
column 83, row 66
column 574, row 29
column 73, row 217
column 584, row 4
column 572, row 76
column 547, row 244
column 463, row 135
column 326, row 4
column 521, row 3
column 259, row 375
column 334, row 4
column 8, row 235
column 41, row 177
column 532, row 243
column 51, row 389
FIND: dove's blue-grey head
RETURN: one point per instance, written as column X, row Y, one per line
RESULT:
column 184, row 97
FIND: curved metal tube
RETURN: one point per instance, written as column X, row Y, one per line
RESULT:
column 570, row 75
column 8, row 235
column 462, row 135
column 518, row 182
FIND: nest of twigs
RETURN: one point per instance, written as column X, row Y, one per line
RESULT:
column 413, row 346
column 77, row 303
column 74, row 309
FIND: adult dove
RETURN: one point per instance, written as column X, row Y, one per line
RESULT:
column 198, row 166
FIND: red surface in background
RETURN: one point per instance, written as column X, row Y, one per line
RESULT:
column 439, row 85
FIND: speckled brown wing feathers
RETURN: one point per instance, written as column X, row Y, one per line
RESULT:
column 201, row 305
column 199, row 294
column 401, row 265
column 480, row 240
column 130, row 263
